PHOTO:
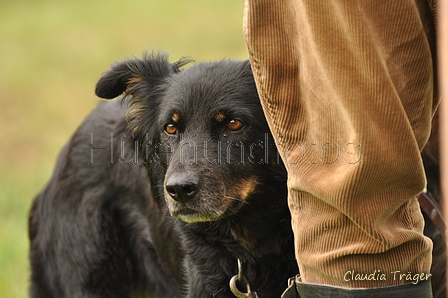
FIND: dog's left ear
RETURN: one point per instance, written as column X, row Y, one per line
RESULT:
column 152, row 69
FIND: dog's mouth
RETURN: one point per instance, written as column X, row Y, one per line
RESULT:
column 189, row 215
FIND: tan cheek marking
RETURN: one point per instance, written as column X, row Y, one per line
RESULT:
column 244, row 188
column 175, row 117
column 247, row 188
column 219, row 117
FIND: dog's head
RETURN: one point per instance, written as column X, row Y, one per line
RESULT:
column 201, row 131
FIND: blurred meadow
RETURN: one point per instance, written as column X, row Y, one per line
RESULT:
column 51, row 55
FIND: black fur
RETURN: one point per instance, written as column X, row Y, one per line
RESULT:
column 102, row 226
column 103, row 230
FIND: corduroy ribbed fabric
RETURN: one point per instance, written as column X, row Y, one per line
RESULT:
column 348, row 90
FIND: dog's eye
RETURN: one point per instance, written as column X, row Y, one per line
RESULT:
column 235, row 124
column 170, row 129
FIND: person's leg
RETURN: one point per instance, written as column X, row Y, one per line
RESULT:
column 347, row 88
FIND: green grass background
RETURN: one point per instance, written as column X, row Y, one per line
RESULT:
column 51, row 55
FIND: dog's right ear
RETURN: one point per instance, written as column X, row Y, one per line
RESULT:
column 152, row 69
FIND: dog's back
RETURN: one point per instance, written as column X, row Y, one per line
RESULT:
column 89, row 227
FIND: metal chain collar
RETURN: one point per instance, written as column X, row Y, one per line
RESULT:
column 241, row 280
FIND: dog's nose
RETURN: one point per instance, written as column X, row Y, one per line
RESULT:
column 182, row 189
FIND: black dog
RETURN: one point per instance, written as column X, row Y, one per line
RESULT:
column 216, row 191
column 163, row 203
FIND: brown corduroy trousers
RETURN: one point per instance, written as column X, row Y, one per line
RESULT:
column 348, row 90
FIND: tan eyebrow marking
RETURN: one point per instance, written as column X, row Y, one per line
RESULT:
column 219, row 117
column 175, row 117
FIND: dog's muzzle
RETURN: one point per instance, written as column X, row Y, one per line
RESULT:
column 182, row 188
